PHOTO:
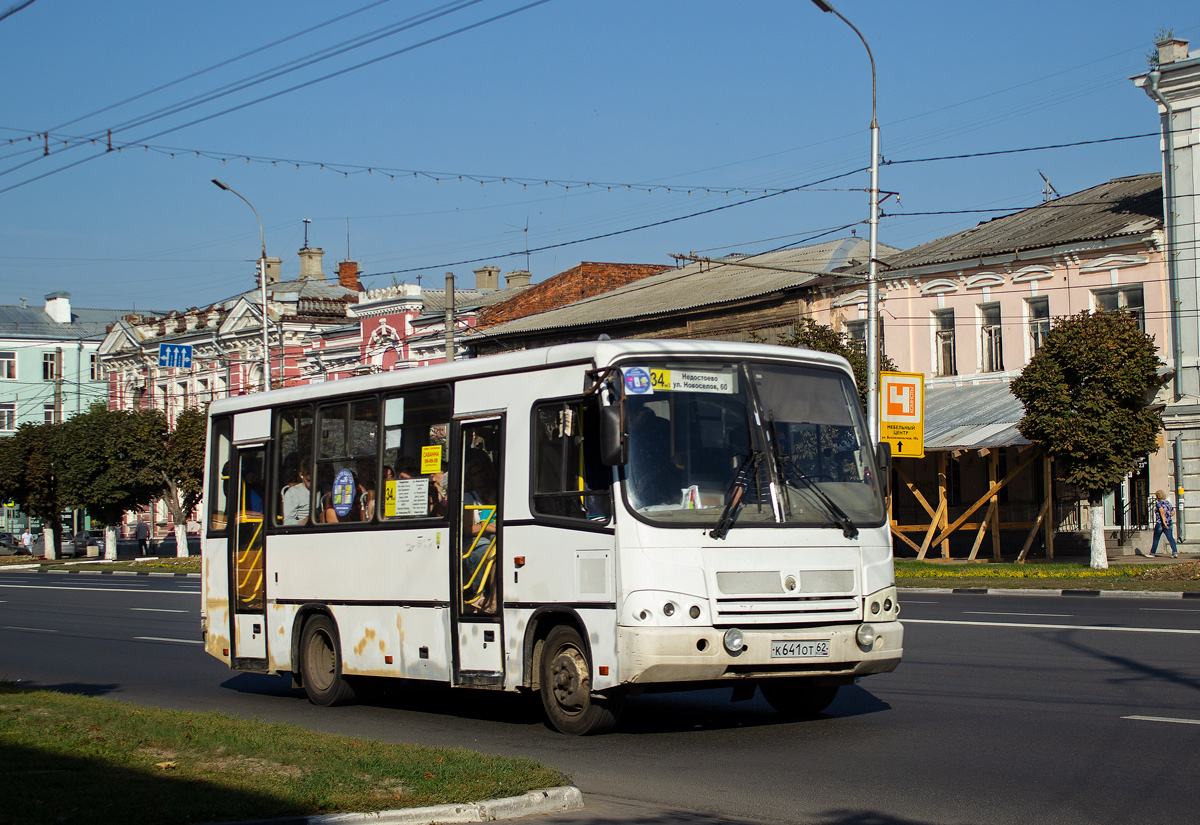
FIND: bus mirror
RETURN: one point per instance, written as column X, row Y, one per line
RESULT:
column 614, row 449
column 883, row 460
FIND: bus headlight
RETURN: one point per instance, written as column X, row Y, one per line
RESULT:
column 734, row 641
column 865, row 635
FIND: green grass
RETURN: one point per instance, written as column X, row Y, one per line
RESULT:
column 1048, row 575
column 73, row 759
column 188, row 564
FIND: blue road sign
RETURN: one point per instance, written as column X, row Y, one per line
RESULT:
column 174, row 355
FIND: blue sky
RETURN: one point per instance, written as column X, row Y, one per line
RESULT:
column 727, row 101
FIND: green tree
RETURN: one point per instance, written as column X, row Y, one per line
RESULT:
column 1086, row 396
column 110, row 467
column 810, row 334
column 181, row 470
column 29, row 476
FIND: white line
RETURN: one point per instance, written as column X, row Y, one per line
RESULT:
column 158, row 610
column 1031, row 626
column 30, row 629
column 95, row 589
column 1170, row 609
column 1163, row 719
column 912, row 601
column 1002, row 613
column 160, row 639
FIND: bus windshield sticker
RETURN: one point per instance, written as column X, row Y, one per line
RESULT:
column 692, row 381
column 637, row 381
column 393, row 412
column 431, row 459
column 343, row 492
column 406, row 497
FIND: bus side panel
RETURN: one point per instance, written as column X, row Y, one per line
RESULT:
column 214, row 598
column 416, row 639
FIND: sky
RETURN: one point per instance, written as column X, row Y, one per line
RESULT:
column 418, row 137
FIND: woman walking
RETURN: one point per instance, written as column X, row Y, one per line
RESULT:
column 1163, row 512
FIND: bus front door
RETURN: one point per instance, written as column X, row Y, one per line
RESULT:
column 479, row 648
column 247, row 563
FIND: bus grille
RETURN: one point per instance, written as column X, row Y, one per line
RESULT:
column 809, row 596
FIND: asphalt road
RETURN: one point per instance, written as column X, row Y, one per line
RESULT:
column 1007, row 709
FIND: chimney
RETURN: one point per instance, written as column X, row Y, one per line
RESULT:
column 348, row 275
column 58, row 307
column 487, row 277
column 274, row 268
column 1171, row 50
column 517, row 278
column 310, row 264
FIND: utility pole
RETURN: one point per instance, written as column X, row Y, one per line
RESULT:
column 449, row 317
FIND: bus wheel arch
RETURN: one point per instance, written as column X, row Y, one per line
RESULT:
column 319, row 662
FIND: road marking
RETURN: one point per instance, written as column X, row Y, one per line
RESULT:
column 1032, row 626
column 158, row 610
column 95, row 589
column 1163, row 719
column 911, row 601
column 1002, row 613
column 1170, row 609
column 30, row 629
column 161, row 639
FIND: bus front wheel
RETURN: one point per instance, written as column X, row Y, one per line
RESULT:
column 565, row 684
column 797, row 697
column 321, row 663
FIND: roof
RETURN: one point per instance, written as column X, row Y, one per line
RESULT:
column 33, row 322
column 435, row 299
column 1122, row 206
column 699, row 285
column 972, row 417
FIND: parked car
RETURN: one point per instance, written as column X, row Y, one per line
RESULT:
column 79, row 543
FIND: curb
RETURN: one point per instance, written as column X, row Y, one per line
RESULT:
column 1009, row 591
column 551, row 800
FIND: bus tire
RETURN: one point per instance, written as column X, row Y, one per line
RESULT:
column 798, row 697
column 321, row 663
column 565, row 685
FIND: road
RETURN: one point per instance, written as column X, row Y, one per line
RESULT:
column 1007, row 709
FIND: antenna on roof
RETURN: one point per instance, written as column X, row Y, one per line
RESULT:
column 306, row 223
column 1049, row 190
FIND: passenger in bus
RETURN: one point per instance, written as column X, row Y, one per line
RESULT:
column 365, row 500
column 653, row 476
column 296, row 498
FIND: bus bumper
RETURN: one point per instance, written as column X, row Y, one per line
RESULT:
column 684, row 654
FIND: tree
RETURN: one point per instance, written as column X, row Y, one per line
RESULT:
column 1086, row 395
column 810, row 334
column 110, row 467
column 29, row 476
column 181, row 470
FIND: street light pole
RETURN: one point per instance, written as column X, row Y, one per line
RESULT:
column 873, row 246
column 262, row 279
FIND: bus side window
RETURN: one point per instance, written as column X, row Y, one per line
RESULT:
column 570, row 480
column 346, row 465
column 415, row 427
column 219, row 473
column 293, row 473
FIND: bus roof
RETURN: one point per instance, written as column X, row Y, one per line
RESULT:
column 598, row 354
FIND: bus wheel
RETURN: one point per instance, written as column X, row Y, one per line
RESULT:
column 797, row 697
column 321, row 663
column 566, row 687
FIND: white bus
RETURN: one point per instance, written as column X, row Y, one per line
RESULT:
column 587, row 521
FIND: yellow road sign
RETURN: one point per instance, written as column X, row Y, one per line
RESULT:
column 902, row 413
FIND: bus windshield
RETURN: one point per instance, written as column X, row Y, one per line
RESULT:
column 793, row 435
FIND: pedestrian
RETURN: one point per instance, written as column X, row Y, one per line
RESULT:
column 27, row 541
column 1163, row 512
column 143, row 537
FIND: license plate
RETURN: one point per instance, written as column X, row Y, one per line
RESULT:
column 818, row 649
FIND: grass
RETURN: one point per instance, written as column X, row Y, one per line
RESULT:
column 188, row 564
column 75, row 759
column 1182, row 577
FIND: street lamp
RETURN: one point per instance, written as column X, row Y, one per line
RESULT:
column 262, row 279
column 873, row 246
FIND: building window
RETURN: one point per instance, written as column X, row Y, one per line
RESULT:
column 1039, row 323
column 96, row 374
column 857, row 331
column 49, row 366
column 991, row 344
column 8, row 365
column 8, row 417
column 943, row 342
column 1124, row 299
column 50, row 414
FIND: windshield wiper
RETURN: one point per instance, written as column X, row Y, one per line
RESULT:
column 794, row 474
column 735, row 495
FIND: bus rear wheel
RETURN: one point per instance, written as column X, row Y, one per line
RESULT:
column 798, row 697
column 321, row 663
column 565, row 684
